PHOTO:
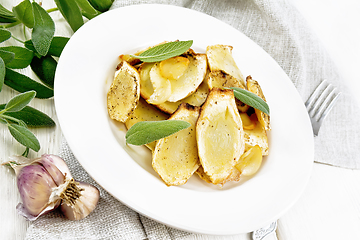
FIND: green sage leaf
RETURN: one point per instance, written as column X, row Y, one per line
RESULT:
column 56, row 46
column 44, row 68
column 24, row 12
column 24, row 136
column 22, row 83
column 164, row 51
column 43, row 31
column 87, row 9
column 7, row 20
column 7, row 56
column 71, row 12
column 3, row 120
column 4, row 35
column 6, row 16
column 2, row 73
column 5, row 13
column 148, row 131
column 19, row 101
column 31, row 117
column 22, row 57
column 101, row 5
column 251, row 99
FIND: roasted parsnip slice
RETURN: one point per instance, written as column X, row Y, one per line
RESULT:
column 161, row 86
column 145, row 112
column 195, row 99
column 257, row 136
column 254, row 87
column 233, row 177
column 131, row 60
column 201, row 173
column 249, row 122
column 124, row 92
column 219, row 135
column 221, row 79
column 146, row 89
column 242, row 106
column 181, row 87
column 191, row 79
column 175, row 157
column 220, row 59
column 174, row 67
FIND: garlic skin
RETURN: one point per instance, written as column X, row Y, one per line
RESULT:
column 35, row 186
column 45, row 183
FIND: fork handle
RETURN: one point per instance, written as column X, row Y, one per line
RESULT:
column 271, row 236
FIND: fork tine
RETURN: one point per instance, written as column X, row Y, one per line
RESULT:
column 324, row 104
column 311, row 99
column 327, row 110
column 319, row 100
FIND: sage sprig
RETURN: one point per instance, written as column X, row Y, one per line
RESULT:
column 164, row 51
column 32, row 117
column 17, row 127
column 251, row 99
column 148, row 131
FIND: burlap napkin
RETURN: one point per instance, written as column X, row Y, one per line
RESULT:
column 281, row 31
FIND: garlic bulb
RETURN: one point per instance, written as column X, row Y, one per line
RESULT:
column 45, row 183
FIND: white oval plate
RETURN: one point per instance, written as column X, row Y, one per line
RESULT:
column 84, row 73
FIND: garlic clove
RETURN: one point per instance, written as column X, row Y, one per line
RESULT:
column 78, row 207
column 59, row 163
column 35, row 186
column 55, row 166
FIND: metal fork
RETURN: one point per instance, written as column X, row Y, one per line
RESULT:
column 267, row 231
column 320, row 103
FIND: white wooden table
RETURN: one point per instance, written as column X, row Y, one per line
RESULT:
column 330, row 206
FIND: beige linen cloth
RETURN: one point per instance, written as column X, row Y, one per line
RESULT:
column 281, row 31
